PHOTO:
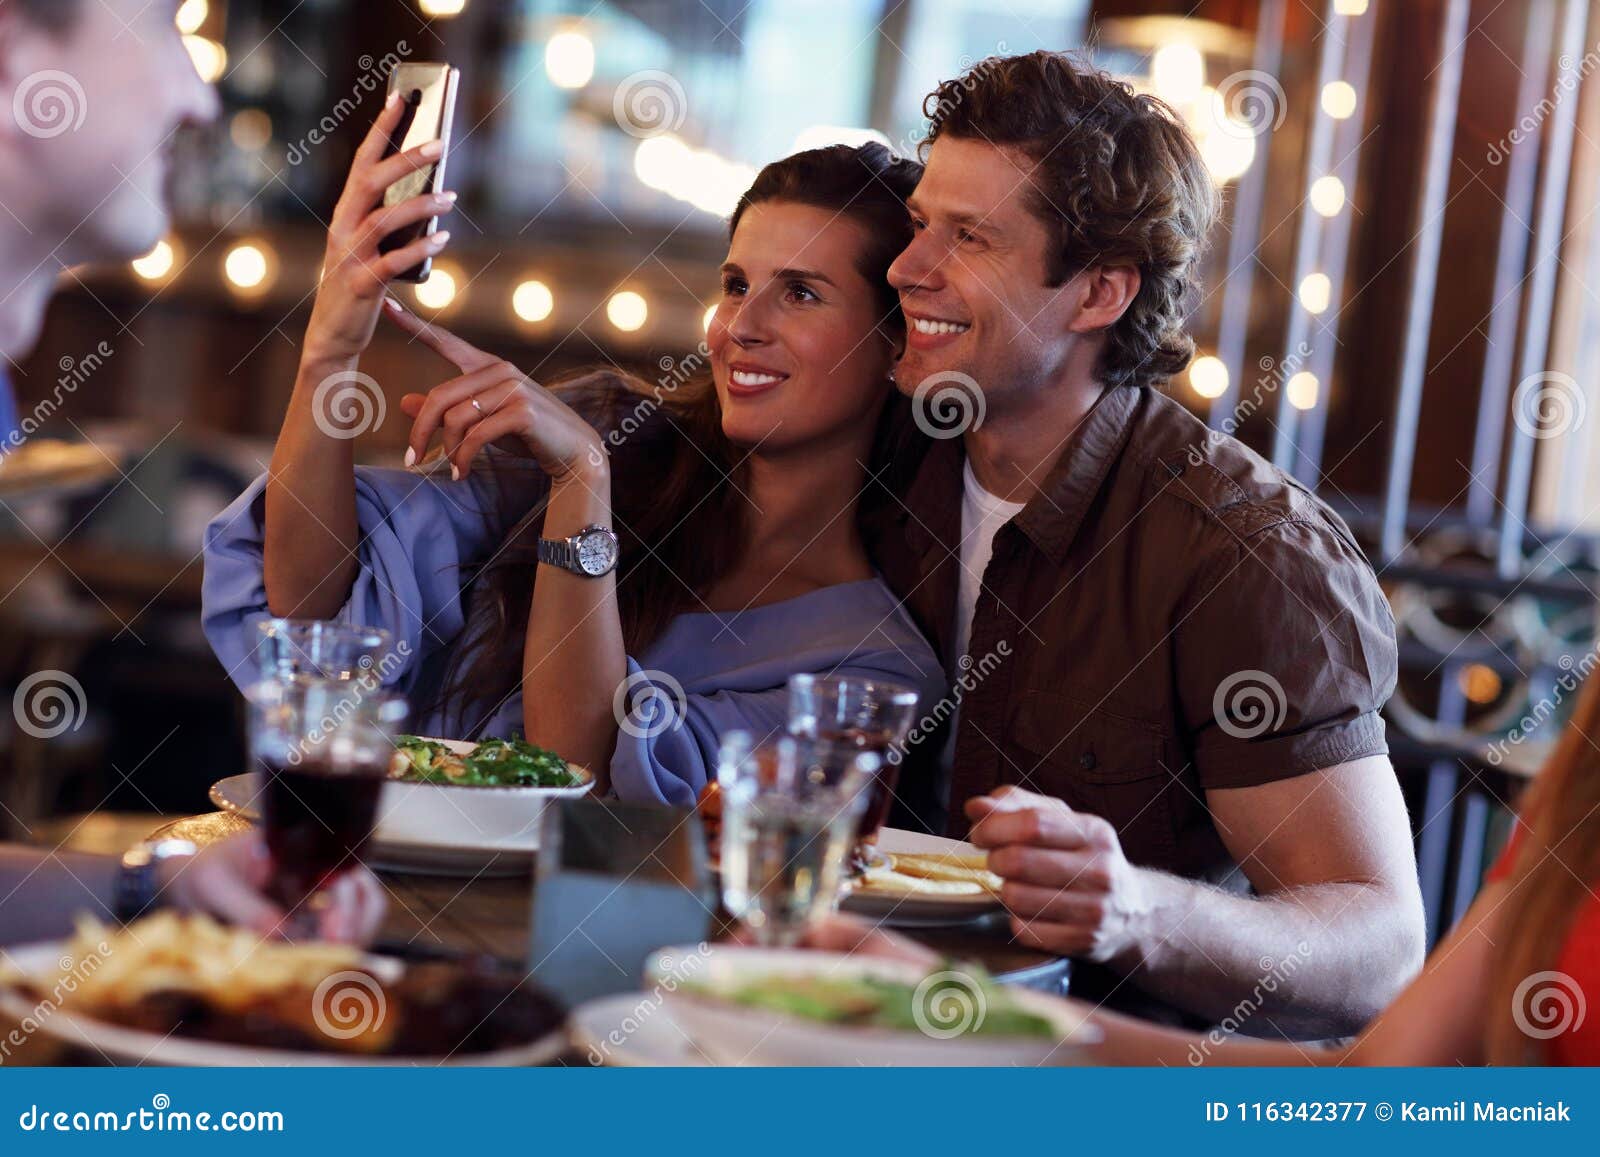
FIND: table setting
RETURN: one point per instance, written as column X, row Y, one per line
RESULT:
column 790, row 830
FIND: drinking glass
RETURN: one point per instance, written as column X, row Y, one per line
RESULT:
column 864, row 715
column 788, row 818
column 316, row 649
column 321, row 749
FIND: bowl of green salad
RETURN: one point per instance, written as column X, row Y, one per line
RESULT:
column 488, row 795
column 771, row 1006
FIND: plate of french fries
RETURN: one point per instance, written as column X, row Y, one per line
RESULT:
column 185, row 990
column 925, row 880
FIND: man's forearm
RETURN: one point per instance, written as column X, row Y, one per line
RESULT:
column 1308, row 962
column 41, row 892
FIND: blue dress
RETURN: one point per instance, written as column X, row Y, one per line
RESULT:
column 707, row 673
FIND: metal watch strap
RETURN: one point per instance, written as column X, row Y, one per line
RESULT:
column 557, row 552
column 138, row 882
column 135, row 891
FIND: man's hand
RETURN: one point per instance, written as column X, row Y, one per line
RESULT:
column 1068, row 887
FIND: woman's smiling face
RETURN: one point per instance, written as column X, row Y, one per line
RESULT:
column 796, row 350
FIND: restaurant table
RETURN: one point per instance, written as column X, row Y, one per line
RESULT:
column 434, row 916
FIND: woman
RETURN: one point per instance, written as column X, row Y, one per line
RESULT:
column 736, row 501
column 1516, row 982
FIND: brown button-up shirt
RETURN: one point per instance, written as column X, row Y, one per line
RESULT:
column 1168, row 615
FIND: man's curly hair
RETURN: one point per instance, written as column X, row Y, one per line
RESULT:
column 1119, row 181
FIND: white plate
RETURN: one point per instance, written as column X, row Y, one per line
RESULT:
column 438, row 828
column 633, row 1030
column 733, row 1034
column 912, row 910
column 133, row 1046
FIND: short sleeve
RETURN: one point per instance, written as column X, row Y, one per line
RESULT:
column 1285, row 657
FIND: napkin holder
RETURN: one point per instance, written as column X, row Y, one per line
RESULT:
column 614, row 883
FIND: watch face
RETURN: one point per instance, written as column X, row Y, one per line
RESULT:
column 597, row 552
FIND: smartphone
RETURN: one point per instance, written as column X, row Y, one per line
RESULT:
column 429, row 94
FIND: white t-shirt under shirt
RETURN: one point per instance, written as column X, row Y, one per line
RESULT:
column 982, row 516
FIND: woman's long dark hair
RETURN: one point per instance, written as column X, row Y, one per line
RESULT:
column 676, row 478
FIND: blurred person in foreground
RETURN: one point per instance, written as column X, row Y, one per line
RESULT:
column 94, row 192
column 1171, row 655
column 1515, row 983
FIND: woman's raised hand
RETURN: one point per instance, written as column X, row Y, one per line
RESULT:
column 492, row 401
column 355, row 276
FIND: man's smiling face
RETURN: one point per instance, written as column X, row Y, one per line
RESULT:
column 972, row 282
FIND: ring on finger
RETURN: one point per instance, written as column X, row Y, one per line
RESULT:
column 478, row 406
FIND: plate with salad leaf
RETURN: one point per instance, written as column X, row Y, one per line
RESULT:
column 767, row 1006
column 451, row 806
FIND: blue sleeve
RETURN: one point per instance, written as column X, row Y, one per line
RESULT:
column 8, row 413
column 667, row 743
column 417, row 533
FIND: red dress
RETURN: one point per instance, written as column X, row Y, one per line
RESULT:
column 1571, row 998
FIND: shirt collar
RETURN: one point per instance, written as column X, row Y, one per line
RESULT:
column 1051, row 519
column 1053, row 516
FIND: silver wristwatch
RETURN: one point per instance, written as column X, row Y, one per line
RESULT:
column 592, row 552
column 138, row 883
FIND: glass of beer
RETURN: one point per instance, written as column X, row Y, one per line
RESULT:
column 787, row 828
column 321, row 751
column 860, row 715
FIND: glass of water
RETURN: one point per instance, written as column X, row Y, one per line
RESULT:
column 292, row 649
column 866, row 715
column 789, row 816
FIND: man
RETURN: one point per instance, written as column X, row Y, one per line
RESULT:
column 1176, row 655
column 91, row 94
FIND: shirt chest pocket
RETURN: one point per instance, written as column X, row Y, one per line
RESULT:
column 1110, row 766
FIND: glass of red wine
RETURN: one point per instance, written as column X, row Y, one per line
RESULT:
column 321, row 749
column 862, row 716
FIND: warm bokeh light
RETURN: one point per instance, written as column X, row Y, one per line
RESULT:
column 698, row 176
column 158, row 263
column 1228, row 155
column 1209, row 377
column 1302, row 390
column 192, row 15
column 439, row 291
column 1327, row 196
column 1350, row 7
column 1227, row 145
column 1316, row 291
column 1480, row 684
column 569, row 59
column 247, row 266
column 442, row 7
column 711, row 313
column 250, row 129
column 532, row 300
column 210, row 58
column 1339, row 100
column 1177, row 72
column 627, row 310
